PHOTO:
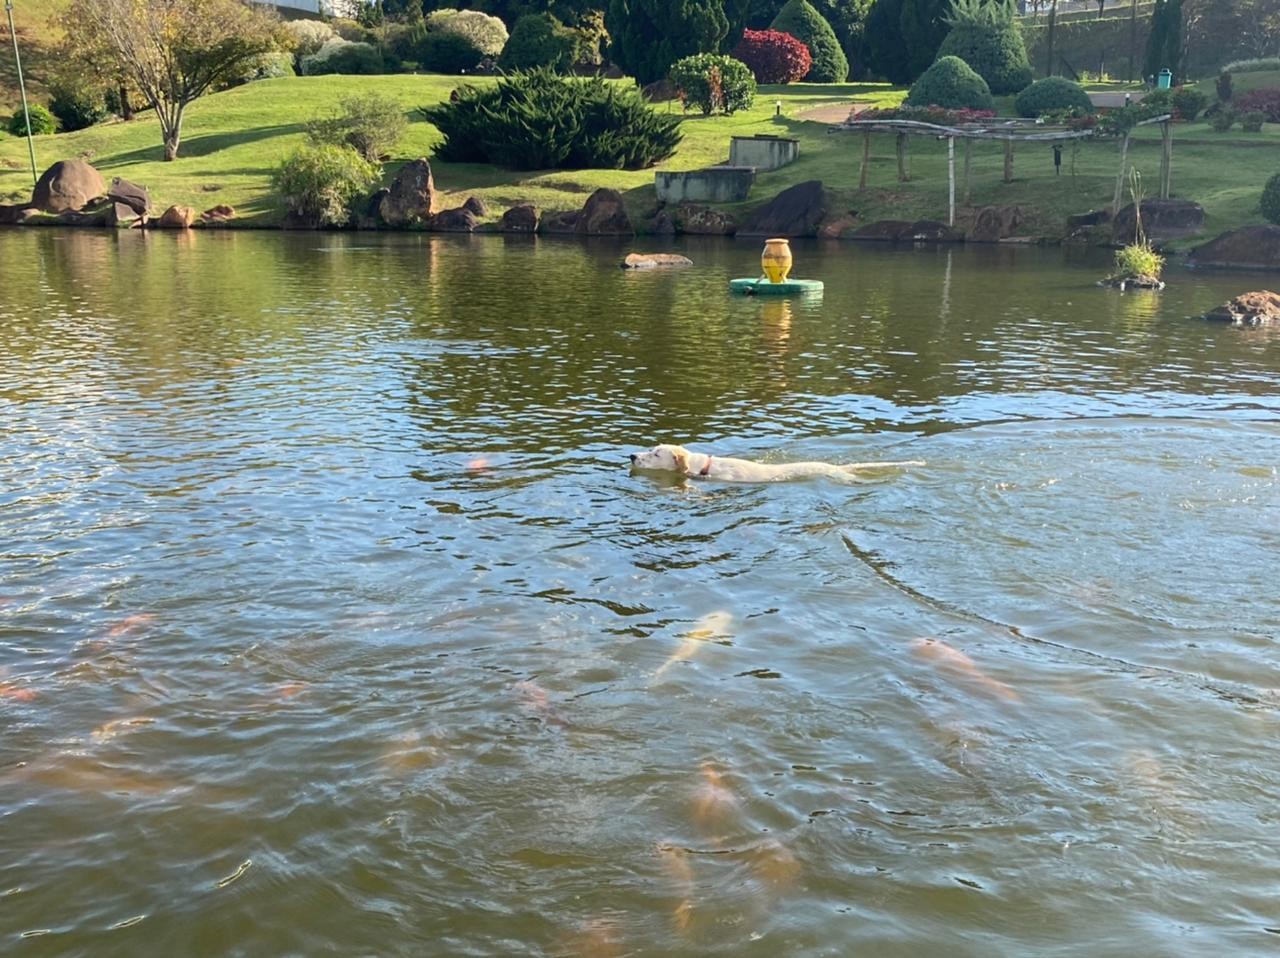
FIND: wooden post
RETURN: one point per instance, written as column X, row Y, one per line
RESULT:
column 968, row 153
column 951, row 181
column 866, row 158
column 1124, row 160
column 1008, row 161
column 1166, row 160
column 904, row 166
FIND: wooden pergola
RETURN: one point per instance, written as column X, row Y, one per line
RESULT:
column 1008, row 131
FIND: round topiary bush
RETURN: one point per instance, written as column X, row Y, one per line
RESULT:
column 802, row 20
column 487, row 34
column 773, row 56
column 985, row 35
column 950, row 82
column 344, row 56
column 450, row 53
column 77, row 104
column 1271, row 199
column 538, row 40
column 1188, row 102
column 714, row 83
column 42, row 122
column 1052, row 95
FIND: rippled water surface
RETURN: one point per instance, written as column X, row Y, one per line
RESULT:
column 332, row 622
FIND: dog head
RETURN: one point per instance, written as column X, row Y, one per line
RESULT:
column 662, row 458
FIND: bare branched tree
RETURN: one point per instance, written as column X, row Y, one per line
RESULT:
column 173, row 51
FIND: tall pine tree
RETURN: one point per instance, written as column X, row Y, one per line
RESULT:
column 1154, row 60
column 647, row 36
column 1173, row 38
column 924, row 27
column 886, row 49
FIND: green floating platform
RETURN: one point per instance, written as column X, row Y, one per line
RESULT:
column 762, row 287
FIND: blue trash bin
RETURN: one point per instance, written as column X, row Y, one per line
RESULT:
column 1165, row 79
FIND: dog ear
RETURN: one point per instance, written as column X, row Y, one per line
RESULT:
column 682, row 460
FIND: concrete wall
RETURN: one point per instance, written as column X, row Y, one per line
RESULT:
column 762, row 152
column 716, row 184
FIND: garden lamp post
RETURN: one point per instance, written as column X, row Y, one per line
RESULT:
column 22, row 87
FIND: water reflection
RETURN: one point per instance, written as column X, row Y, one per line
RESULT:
column 332, row 618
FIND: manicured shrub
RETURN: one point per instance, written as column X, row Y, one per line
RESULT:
column 1267, row 101
column 76, row 104
column 487, row 34
column 42, row 121
column 1251, row 121
column 773, row 56
column 951, row 83
column 1271, row 199
column 1223, row 120
column 1223, row 86
column 1188, row 102
column 308, row 37
column 1258, row 65
column 344, row 56
column 449, row 53
column 714, row 83
column 539, row 121
column 318, row 184
column 800, row 19
column 1052, row 95
column 984, row 35
column 539, row 40
column 371, row 124
column 1158, row 101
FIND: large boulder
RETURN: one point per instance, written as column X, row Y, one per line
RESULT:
column 1249, row 309
column 796, row 211
column 136, row 197
column 1253, row 247
column 411, row 195
column 605, row 214
column 368, row 214
column 1162, row 221
column 477, row 206
column 994, row 223
column 13, row 215
column 217, row 215
column 67, row 185
column 176, row 218
column 562, row 221
column 704, row 220
column 520, row 219
column 124, row 216
column 458, row 220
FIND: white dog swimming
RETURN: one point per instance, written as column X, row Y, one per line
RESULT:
column 668, row 458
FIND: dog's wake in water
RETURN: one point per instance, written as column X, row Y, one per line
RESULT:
column 678, row 459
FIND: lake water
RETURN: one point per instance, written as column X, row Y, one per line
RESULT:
column 332, row 621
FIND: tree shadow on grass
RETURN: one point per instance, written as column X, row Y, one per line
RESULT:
column 204, row 145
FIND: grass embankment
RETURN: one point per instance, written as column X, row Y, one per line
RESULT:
column 38, row 35
column 234, row 141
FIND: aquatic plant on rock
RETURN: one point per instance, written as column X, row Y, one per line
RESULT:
column 1137, row 266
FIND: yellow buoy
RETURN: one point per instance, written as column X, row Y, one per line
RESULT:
column 776, row 259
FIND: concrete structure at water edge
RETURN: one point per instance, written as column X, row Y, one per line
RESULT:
column 763, row 152
column 728, row 182
column 715, row 184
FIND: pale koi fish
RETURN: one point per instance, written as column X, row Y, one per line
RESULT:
column 959, row 664
column 130, row 624
column 712, row 627
column 676, row 863
column 713, row 803
column 535, row 698
column 109, row 730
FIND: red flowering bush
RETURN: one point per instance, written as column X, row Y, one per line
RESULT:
column 1267, row 101
column 925, row 114
column 773, row 56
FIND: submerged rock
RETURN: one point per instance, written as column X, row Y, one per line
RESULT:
column 1132, row 282
column 655, row 261
column 520, row 219
column 1259, row 308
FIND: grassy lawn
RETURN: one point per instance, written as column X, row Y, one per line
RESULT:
column 234, row 140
